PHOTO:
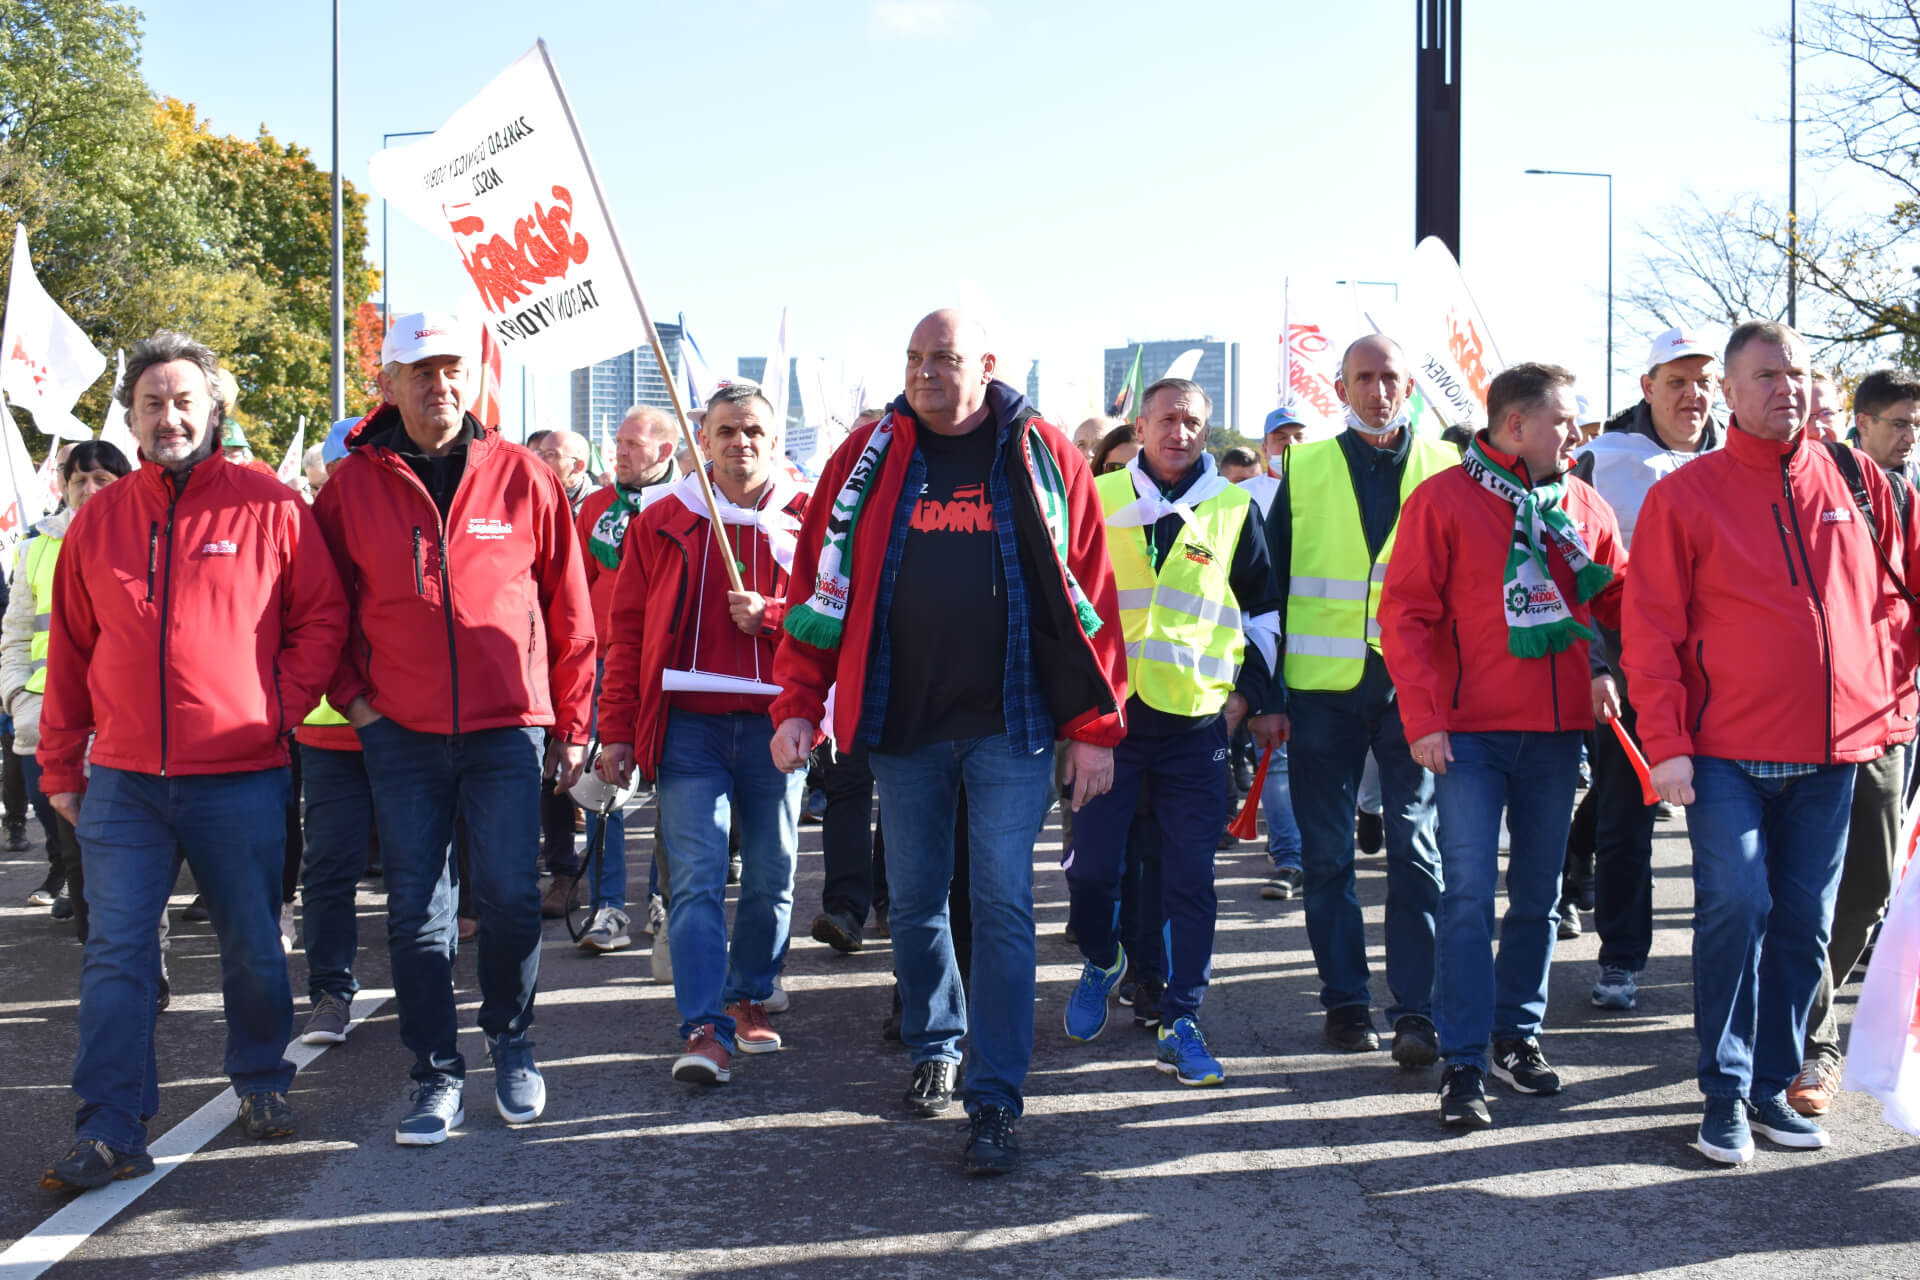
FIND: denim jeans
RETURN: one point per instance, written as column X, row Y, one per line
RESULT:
column 713, row 768
column 1007, row 800
column 1479, row 994
column 1767, row 854
column 1276, row 803
column 230, row 829
column 1186, row 776
column 491, row 779
column 609, row 887
column 1866, row 882
column 1332, row 733
column 339, row 813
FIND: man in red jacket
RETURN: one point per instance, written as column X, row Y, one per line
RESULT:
column 961, row 486
column 674, row 611
column 471, row 632
column 1485, row 620
column 213, row 578
column 1761, row 636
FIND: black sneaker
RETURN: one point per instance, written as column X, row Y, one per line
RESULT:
column 92, row 1163
column 62, row 908
column 195, row 912
column 1463, row 1098
column 1146, row 1002
column 17, row 840
column 932, row 1089
column 991, row 1148
column 1369, row 831
column 1521, row 1064
column 266, row 1115
column 1415, row 1042
column 839, row 930
column 1569, row 927
column 1350, row 1029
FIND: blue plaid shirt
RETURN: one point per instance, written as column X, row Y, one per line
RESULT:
column 1029, row 728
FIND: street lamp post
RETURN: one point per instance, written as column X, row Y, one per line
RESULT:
column 1580, row 173
column 386, row 291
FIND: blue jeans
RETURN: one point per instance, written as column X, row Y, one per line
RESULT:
column 1186, row 778
column 1007, row 800
column 231, row 829
column 492, row 780
column 609, row 885
column 1276, row 802
column 338, row 811
column 1478, row 994
column 1331, row 735
column 1767, row 855
column 711, row 768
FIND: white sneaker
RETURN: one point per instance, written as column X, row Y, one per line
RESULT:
column 607, row 932
column 656, row 914
column 777, row 1002
column 662, row 953
column 286, row 927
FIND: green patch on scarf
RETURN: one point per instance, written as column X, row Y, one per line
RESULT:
column 1538, row 619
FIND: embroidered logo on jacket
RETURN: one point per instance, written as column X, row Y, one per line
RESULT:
column 488, row 530
column 221, row 547
column 1842, row 516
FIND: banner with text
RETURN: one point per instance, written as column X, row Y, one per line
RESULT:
column 508, row 182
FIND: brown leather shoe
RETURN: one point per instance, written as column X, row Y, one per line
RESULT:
column 553, row 903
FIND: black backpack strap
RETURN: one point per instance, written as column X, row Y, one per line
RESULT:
column 1848, row 461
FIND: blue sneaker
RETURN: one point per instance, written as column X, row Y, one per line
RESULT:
column 518, row 1089
column 1780, row 1124
column 1182, row 1051
column 1724, row 1135
column 436, row 1109
column 1086, row 1015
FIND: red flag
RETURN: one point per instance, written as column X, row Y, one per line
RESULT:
column 1638, row 761
column 486, row 405
column 1246, row 826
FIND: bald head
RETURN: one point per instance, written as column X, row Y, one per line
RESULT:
column 566, row 452
column 948, row 369
column 1088, row 435
column 643, row 447
column 1373, row 380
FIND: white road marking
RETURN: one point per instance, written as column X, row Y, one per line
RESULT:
column 70, row 1227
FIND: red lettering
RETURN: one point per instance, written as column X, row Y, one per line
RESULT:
column 544, row 248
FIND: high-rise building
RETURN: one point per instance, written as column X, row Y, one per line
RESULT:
column 754, row 369
column 1033, row 384
column 1218, row 372
column 602, row 393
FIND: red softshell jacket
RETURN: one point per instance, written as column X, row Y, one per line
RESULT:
column 515, row 645
column 192, row 626
column 1759, row 624
column 1443, row 627
column 600, row 579
column 658, row 564
column 805, row 673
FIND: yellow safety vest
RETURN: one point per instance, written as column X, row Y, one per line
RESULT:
column 1181, row 625
column 42, row 553
column 1333, row 595
column 325, row 714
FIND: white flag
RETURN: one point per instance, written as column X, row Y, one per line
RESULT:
column 1446, row 337
column 20, row 505
column 773, row 382
column 699, row 379
column 45, row 359
column 508, row 181
column 290, row 465
column 115, row 431
column 1184, row 364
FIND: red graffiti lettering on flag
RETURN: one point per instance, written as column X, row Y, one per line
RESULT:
column 544, row 248
column 1306, row 347
column 19, row 356
column 1468, row 350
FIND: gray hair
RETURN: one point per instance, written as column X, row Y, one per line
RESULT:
column 1178, row 386
column 1753, row 330
column 739, row 392
column 165, row 347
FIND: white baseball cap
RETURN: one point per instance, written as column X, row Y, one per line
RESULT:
column 1587, row 413
column 421, row 335
column 1678, row 344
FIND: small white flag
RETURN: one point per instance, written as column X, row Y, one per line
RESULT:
column 20, row 504
column 115, row 431
column 45, row 359
column 290, row 465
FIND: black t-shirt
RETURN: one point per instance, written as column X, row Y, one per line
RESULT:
column 440, row 475
column 947, row 623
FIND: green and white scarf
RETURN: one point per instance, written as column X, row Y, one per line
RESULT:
column 1538, row 620
column 610, row 530
column 821, row 620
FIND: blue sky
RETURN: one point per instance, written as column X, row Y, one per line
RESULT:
column 1083, row 173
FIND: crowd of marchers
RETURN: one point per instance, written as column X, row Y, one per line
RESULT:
column 1428, row 641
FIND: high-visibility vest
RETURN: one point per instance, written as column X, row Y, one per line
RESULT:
column 1181, row 625
column 42, row 553
column 325, row 714
column 1333, row 595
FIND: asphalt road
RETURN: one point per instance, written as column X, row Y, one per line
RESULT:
column 1306, row 1163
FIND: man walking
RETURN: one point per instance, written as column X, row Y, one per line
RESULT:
column 1761, row 631
column 471, row 633
column 1485, row 621
column 956, row 588
column 196, row 619
column 1333, row 532
column 1196, row 593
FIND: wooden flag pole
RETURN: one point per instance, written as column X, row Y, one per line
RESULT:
column 653, row 335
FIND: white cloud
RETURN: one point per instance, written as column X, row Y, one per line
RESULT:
column 919, row 18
